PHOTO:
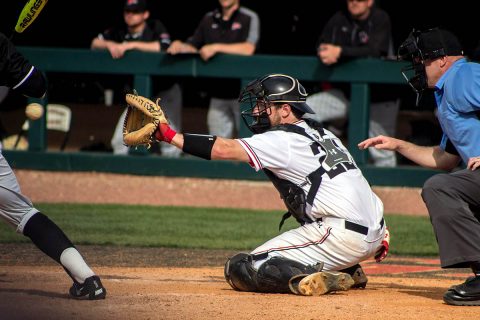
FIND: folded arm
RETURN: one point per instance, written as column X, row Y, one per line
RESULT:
column 241, row 48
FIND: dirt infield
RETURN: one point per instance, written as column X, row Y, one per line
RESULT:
column 161, row 283
column 33, row 287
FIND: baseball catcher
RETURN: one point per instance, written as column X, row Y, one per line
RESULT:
column 341, row 218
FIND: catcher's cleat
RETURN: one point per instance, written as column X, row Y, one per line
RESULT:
column 465, row 294
column 91, row 289
column 359, row 277
column 320, row 283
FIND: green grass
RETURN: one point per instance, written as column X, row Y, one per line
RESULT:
column 411, row 236
column 207, row 228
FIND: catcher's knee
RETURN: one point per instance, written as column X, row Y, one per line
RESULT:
column 274, row 274
column 239, row 272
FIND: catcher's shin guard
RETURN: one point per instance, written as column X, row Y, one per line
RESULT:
column 272, row 276
column 275, row 273
column 240, row 274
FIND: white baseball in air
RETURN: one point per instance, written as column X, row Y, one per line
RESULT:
column 34, row 111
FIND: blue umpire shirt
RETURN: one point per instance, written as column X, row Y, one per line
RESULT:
column 458, row 100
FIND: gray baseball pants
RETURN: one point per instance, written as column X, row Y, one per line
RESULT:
column 15, row 208
column 453, row 202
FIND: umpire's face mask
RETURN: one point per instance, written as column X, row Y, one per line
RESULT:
column 410, row 51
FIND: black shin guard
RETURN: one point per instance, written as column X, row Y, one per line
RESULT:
column 274, row 274
column 240, row 274
column 47, row 236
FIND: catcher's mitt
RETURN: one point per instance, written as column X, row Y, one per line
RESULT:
column 141, row 121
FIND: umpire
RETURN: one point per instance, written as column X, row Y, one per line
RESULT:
column 452, row 199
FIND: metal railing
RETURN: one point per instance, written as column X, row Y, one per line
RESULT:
column 143, row 66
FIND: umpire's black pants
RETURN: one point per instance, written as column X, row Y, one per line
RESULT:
column 453, row 202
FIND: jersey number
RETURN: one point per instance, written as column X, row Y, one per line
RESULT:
column 335, row 160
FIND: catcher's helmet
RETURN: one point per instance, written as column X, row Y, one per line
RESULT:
column 276, row 89
column 426, row 45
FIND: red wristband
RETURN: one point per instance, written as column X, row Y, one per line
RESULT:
column 165, row 133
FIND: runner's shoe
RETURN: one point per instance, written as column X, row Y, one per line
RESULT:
column 91, row 289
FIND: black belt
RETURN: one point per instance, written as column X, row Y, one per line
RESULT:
column 352, row 226
column 356, row 227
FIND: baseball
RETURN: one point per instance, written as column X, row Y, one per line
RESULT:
column 34, row 111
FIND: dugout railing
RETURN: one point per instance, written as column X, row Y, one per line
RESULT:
column 143, row 66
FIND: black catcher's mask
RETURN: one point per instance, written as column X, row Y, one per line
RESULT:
column 425, row 45
column 268, row 90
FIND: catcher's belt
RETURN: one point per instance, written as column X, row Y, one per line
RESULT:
column 352, row 226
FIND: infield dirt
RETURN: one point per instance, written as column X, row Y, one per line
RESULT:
column 161, row 283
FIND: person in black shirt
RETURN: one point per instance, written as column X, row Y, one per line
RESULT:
column 231, row 29
column 140, row 33
column 360, row 31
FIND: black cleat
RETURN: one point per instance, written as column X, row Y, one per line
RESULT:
column 91, row 289
column 465, row 294
column 358, row 276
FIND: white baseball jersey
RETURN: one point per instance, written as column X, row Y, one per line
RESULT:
column 343, row 195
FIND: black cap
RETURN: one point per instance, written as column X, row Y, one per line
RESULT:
column 439, row 42
column 135, row 5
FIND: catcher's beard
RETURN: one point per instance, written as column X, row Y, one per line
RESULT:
column 257, row 123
